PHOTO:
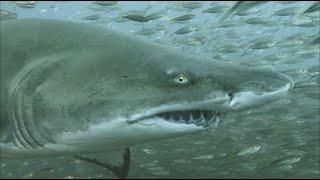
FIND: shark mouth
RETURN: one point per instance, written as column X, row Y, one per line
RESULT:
column 202, row 118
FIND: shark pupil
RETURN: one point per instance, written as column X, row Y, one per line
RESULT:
column 181, row 78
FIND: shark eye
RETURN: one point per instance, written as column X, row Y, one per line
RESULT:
column 181, row 79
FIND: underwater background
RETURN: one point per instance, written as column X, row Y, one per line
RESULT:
column 280, row 140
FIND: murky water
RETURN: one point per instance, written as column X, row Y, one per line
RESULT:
column 280, row 140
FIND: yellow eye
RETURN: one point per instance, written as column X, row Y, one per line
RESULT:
column 181, row 79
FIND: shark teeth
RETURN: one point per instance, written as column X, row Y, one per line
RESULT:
column 198, row 117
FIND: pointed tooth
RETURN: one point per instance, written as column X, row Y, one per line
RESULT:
column 171, row 117
column 191, row 117
column 211, row 121
column 181, row 120
column 185, row 116
column 217, row 120
column 196, row 115
column 203, row 120
column 201, row 115
column 192, row 120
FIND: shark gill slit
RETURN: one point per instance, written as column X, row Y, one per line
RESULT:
column 21, row 130
column 23, row 110
column 13, row 128
column 21, row 125
column 27, row 121
column 16, row 132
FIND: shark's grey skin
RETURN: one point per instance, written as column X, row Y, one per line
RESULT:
column 71, row 88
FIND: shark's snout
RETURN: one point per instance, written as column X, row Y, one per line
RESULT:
column 251, row 99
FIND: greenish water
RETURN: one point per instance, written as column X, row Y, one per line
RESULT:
column 280, row 140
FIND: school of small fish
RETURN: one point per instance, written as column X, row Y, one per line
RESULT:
column 283, row 36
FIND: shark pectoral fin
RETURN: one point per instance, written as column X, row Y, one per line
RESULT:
column 121, row 170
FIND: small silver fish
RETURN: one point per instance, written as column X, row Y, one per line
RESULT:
column 316, row 41
column 287, row 160
column 290, row 11
column 185, row 17
column 25, row 4
column 241, row 6
column 92, row 17
column 105, row 3
column 314, row 7
column 146, row 31
column 6, row 15
column 260, row 21
column 247, row 11
column 216, row 9
column 191, row 5
column 136, row 18
column 186, row 30
column 249, row 150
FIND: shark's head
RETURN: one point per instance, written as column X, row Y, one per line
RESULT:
column 164, row 94
column 179, row 94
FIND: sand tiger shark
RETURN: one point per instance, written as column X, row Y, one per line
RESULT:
column 70, row 89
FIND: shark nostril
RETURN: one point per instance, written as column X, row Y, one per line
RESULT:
column 230, row 95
